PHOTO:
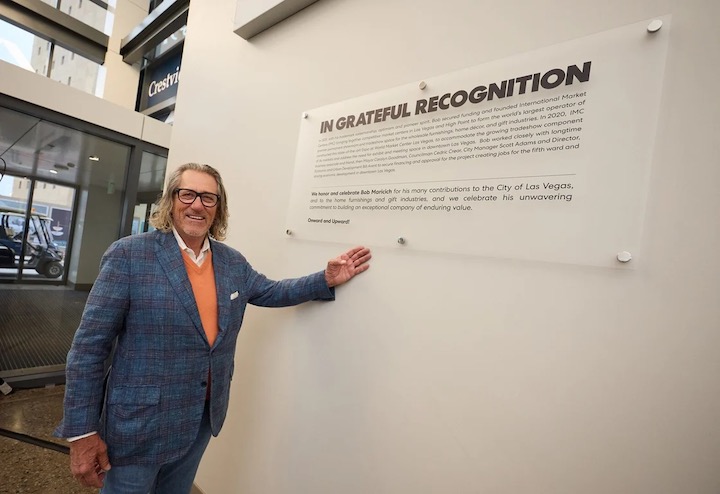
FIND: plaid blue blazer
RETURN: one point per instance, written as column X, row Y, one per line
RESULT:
column 150, row 411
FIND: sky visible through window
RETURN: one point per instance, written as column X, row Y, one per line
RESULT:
column 6, row 185
column 15, row 48
column 16, row 45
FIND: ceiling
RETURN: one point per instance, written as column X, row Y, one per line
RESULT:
column 32, row 147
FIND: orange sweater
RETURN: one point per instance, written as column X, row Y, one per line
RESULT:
column 202, row 279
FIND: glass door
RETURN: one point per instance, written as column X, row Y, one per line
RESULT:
column 150, row 187
column 34, row 241
column 14, row 194
column 49, row 231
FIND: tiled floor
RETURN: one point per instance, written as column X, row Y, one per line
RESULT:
column 29, row 469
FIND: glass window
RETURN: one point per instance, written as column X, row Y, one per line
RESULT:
column 173, row 40
column 155, row 4
column 53, row 213
column 150, row 185
column 67, row 184
column 98, row 15
column 22, row 48
column 79, row 72
column 33, row 242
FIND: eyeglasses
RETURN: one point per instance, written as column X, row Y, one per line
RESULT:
column 188, row 196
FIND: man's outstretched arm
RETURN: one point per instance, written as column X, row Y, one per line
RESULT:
column 345, row 266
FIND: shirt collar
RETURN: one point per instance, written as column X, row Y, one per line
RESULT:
column 185, row 248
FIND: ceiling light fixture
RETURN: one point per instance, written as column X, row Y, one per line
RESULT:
column 54, row 172
column 93, row 158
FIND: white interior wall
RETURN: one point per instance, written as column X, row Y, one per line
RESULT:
column 121, row 80
column 442, row 373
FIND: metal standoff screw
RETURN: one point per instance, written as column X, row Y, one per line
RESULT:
column 401, row 240
column 288, row 232
column 654, row 26
column 624, row 256
column 422, row 85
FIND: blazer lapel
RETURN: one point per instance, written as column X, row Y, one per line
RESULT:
column 222, row 287
column 170, row 258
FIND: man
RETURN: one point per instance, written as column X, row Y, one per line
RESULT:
column 174, row 299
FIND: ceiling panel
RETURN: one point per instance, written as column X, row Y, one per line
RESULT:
column 13, row 126
column 33, row 147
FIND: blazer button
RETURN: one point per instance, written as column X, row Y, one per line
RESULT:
column 203, row 384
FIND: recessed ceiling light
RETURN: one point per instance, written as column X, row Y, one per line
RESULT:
column 93, row 158
column 54, row 172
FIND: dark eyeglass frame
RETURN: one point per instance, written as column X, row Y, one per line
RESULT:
column 207, row 199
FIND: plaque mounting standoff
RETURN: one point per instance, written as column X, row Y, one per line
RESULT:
column 654, row 26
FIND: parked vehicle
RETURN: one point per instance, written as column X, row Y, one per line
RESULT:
column 41, row 253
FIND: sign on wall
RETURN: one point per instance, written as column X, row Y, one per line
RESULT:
column 161, row 80
column 60, row 228
column 541, row 156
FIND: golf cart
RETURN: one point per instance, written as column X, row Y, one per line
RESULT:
column 40, row 252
